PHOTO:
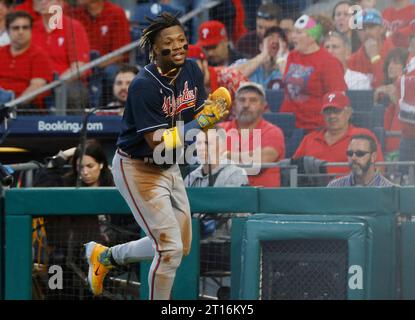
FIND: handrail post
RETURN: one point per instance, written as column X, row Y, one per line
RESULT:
column 293, row 177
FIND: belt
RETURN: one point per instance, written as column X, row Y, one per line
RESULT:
column 146, row 160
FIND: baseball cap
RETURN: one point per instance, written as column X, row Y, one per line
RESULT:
column 211, row 33
column 269, row 11
column 371, row 16
column 195, row 52
column 336, row 99
column 251, row 85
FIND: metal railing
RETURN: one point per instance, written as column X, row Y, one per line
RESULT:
column 294, row 174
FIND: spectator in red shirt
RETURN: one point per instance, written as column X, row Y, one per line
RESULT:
column 330, row 144
column 404, row 38
column 386, row 94
column 5, row 6
column 24, row 67
column 369, row 59
column 267, row 16
column 214, row 40
column 310, row 73
column 30, row 7
column 399, row 15
column 67, row 46
column 215, row 77
column 106, row 25
column 108, row 29
column 244, row 145
column 406, row 98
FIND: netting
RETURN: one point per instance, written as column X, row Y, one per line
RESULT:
column 215, row 256
column 304, row 269
column 247, row 45
column 58, row 243
column 75, row 36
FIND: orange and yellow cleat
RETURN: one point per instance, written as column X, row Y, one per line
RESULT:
column 97, row 270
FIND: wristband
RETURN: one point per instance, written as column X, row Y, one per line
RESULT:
column 375, row 59
column 281, row 59
column 171, row 137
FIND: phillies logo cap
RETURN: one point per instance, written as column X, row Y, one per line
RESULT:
column 211, row 33
column 195, row 52
column 336, row 99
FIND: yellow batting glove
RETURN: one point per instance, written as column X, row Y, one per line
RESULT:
column 216, row 108
column 171, row 138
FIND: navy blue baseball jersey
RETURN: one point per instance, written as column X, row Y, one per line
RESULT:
column 153, row 103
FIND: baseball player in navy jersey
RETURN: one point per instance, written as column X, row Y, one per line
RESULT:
column 169, row 89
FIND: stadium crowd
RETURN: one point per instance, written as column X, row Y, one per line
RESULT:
column 338, row 73
column 333, row 87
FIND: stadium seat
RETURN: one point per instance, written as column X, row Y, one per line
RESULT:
column 369, row 119
column 361, row 100
column 366, row 113
column 286, row 121
column 274, row 99
column 380, row 134
column 378, row 115
column 362, row 119
column 293, row 136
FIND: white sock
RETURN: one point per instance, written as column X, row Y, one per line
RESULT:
column 133, row 251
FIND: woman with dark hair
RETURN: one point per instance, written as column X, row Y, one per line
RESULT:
column 66, row 233
column 95, row 171
column 393, row 69
column 342, row 16
column 395, row 64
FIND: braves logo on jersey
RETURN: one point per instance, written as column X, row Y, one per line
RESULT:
column 186, row 99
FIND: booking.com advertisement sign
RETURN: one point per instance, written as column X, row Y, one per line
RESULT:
column 63, row 125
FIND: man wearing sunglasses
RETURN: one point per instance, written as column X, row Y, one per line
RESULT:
column 330, row 143
column 361, row 155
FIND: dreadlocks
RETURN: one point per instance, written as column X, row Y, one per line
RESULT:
column 163, row 21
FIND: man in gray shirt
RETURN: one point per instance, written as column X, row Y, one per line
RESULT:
column 361, row 154
column 215, row 169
